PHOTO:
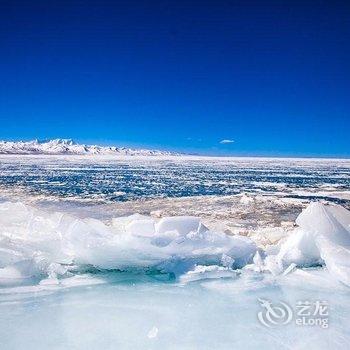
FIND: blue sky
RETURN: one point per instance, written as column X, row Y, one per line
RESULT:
column 272, row 76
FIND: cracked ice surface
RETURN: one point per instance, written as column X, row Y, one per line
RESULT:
column 79, row 269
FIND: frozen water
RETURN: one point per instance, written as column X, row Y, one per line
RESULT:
column 178, row 284
column 323, row 237
column 123, row 311
column 35, row 243
column 113, row 179
column 80, row 270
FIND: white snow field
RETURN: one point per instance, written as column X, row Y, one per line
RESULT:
column 265, row 268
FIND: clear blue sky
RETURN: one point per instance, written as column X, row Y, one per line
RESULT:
column 273, row 76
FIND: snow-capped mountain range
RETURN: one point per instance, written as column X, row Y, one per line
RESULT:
column 67, row 146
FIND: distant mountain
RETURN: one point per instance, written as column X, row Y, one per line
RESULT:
column 64, row 146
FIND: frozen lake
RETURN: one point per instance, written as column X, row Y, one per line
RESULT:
column 78, row 268
column 113, row 179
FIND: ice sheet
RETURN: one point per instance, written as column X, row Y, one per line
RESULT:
column 87, row 276
column 123, row 309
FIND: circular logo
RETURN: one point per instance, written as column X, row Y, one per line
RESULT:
column 273, row 315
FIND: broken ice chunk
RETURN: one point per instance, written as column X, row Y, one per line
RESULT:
column 141, row 228
column 181, row 224
column 323, row 237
